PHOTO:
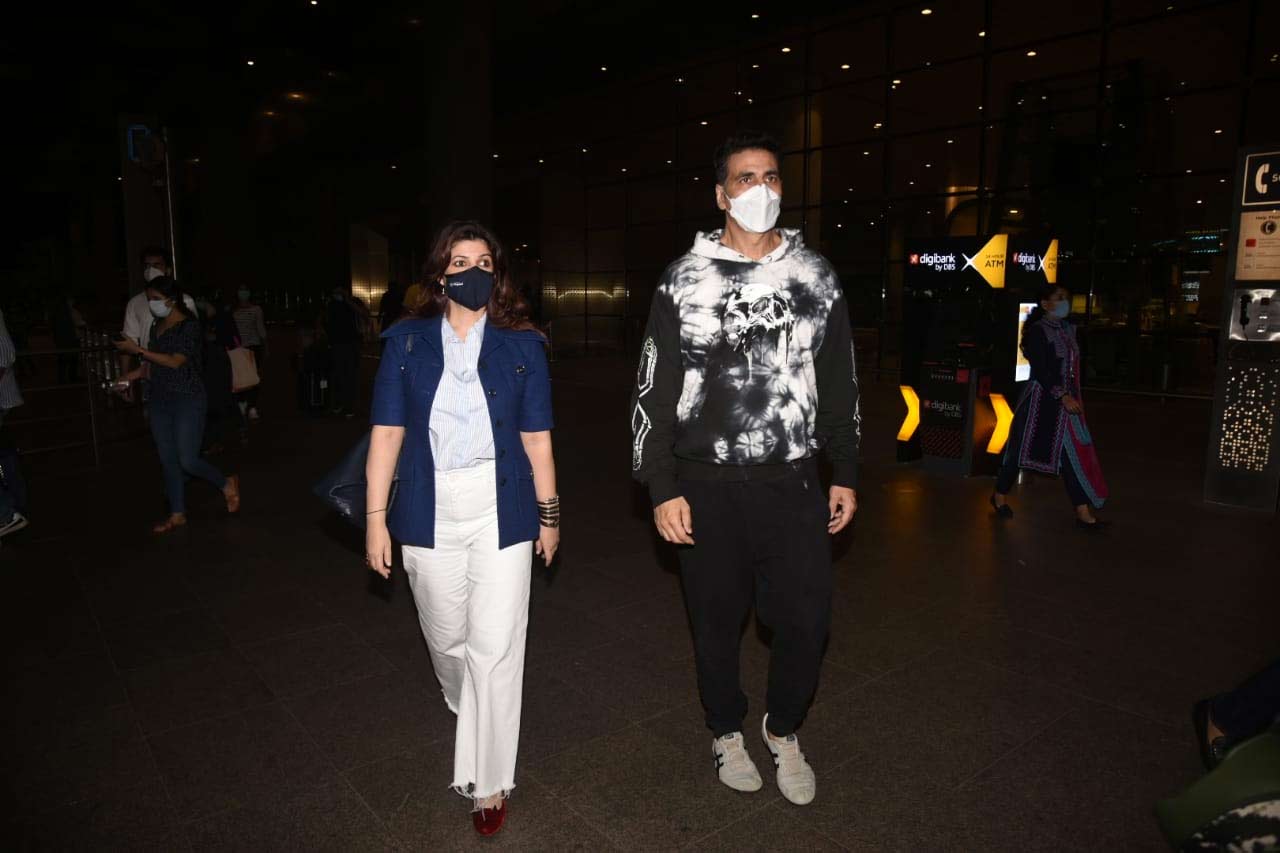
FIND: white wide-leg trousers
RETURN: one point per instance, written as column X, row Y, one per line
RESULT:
column 473, row 606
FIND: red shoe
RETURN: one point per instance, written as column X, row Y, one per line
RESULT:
column 489, row 821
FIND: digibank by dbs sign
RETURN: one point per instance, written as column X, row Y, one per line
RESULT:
column 999, row 261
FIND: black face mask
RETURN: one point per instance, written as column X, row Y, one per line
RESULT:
column 470, row 288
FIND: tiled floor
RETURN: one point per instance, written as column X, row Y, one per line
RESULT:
column 246, row 684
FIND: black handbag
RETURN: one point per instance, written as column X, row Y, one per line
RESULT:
column 344, row 488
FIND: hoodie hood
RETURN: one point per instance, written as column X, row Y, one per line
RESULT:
column 707, row 245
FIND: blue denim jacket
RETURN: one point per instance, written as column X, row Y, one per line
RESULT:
column 513, row 368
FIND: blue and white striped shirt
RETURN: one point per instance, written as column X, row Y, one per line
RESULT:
column 461, row 435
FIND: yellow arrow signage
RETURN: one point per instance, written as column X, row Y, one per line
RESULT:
column 1050, row 263
column 989, row 261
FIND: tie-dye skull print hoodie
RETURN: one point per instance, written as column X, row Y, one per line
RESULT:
column 745, row 362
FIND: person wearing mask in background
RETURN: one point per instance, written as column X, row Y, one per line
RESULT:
column 178, row 400
column 67, row 323
column 342, row 328
column 414, row 295
column 391, row 306
column 462, row 399
column 746, row 372
column 138, row 318
column 12, row 486
column 224, row 420
column 1049, row 433
column 252, row 326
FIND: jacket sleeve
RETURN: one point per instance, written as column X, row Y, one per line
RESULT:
column 839, row 418
column 659, row 381
column 1046, row 367
column 388, row 385
column 535, row 404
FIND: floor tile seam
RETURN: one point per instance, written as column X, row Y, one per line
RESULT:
column 328, row 759
column 693, row 844
column 1075, row 693
column 1013, row 750
column 133, row 708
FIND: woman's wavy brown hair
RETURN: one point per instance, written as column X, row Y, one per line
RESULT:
column 507, row 307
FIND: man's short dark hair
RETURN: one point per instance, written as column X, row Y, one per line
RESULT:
column 156, row 252
column 743, row 140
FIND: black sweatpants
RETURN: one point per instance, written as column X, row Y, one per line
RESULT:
column 761, row 540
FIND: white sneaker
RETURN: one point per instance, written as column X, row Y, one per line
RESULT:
column 795, row 777
column 733, row 765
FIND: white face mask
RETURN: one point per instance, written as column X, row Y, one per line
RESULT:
column 756, row 209
column 160, row 308
column 150, row 273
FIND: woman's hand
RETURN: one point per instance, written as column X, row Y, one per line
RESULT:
column 548, row 543
column 1071, row 404
column 377, row 545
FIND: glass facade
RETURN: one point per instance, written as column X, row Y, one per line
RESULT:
column 1111, row 124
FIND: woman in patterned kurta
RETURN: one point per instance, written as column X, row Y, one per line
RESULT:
column 1049, row 432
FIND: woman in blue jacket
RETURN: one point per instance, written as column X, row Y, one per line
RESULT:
column 462, row 419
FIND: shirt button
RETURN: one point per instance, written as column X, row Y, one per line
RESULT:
column 502, row 482
column 502, row 453
column 498, row 424
column 492, row 393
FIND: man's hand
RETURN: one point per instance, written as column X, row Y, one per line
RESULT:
column 843, row 503
column 128, row 346
column 674, row 520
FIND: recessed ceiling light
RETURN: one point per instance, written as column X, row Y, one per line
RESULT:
column 928, row 165
column 1219, row 130
column 679, row 79
column 878, row 125
column 982, row 34
column 495, row 156
column 584, row 151
column 1031, row 53
column 703, row 123
column 844, row 67
column 604, row 68
column 1013, row 210
column 786, row 50
column 540, row 160
column 950, row 141
column 866, row 153
column 897, row 82
column 393, row 167
column 1188, row 171
column 668, row 162
column 624, row 168
column 839, row 225
column 926, row 11
column 118, row 178
column 755, row 16
column 1199, row 201
column 755, row 65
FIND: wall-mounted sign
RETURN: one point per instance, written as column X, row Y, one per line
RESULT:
column 1261, row 179
column 957, row 260
column 1258, row 249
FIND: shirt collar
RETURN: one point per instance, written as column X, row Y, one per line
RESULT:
column 451, row 337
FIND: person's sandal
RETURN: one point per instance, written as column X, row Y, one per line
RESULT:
column 170, row 524
column 231, row 491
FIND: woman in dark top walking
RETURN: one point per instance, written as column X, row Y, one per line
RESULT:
column 178, row 400
column 1049, row 433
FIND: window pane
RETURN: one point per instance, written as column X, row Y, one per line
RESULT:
column 1262, row 123
column 846, row 173
column 778, row 73
column 653, row 245
column 652, row 200
column 709, row 88
column 1040, row 150
column 849, row 233
column 847, row 113
column 1062, row 75
column 1158, row 52
column 949, row 31
column 936, row 97
column 934, row 163
column 1014, row 22
column 606, row 249
column 860, row 46
column 698, row 141
column 782, row 119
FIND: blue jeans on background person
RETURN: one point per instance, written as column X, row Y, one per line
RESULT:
column 177, row 425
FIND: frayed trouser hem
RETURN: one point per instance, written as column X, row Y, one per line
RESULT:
column 468, row 791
